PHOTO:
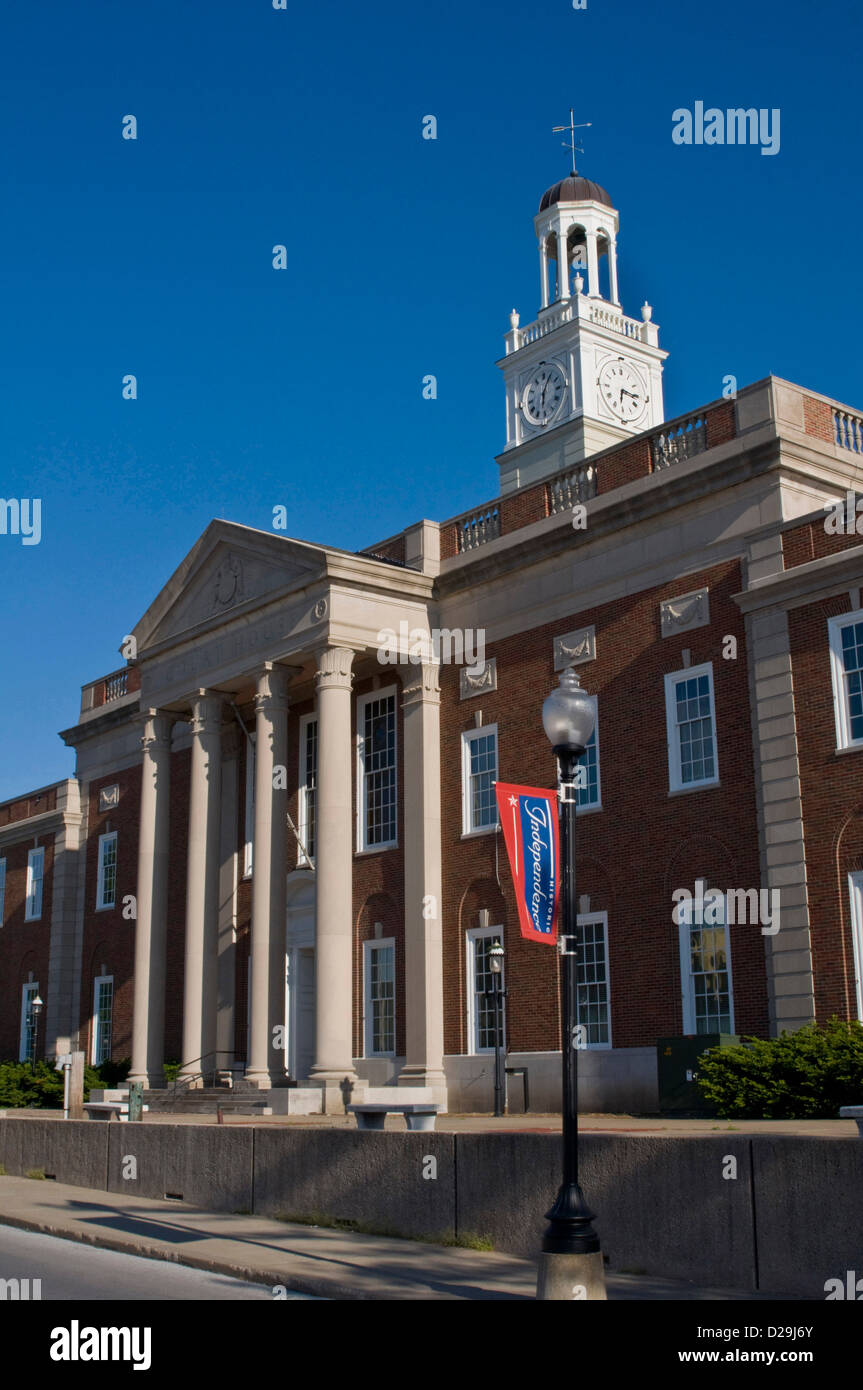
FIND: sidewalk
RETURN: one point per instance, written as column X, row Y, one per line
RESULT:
column 306, row 1259
column 511, row 1124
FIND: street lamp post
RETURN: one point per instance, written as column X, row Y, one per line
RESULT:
column 570, row 1265
column 36, row 1007
column 495, row 962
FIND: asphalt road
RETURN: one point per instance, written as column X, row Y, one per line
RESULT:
column 72, row 1271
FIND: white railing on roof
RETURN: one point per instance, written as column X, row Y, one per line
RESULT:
column 571, row 489
column 477, row 529
column 848, row 430
column 680, row 441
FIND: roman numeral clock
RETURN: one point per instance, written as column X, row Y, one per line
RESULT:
column 583, row 376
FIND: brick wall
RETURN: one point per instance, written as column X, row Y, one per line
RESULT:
column 832, row 796
column 818, row 419
column 640, row 846
column 810, row 541
column 109, row 933
column 24, row 946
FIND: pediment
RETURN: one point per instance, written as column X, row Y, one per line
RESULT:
column 231, row 568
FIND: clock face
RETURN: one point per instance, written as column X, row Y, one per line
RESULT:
column 544, row 393
column 622, row 389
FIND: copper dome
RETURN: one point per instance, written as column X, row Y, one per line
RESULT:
column 575, row 189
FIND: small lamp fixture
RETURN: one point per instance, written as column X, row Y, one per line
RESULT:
column 495, row 958
column 568, row 715
column 37, row 1005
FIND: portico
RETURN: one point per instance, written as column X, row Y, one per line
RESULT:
column 250, row 627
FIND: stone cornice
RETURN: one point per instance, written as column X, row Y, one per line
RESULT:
column 804, row 583
column 42, row 824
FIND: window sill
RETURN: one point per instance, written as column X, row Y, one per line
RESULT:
column 375, row 849
column 107, row 907
column 696, row 787
column 588, row 810
column 475, row 834
column 850, row 748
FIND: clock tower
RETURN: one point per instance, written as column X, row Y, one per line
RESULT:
column 583, row 376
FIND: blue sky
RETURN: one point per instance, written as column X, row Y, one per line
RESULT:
column 303, row 387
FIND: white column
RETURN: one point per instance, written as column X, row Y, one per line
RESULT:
column 228, row 854
column 202, row 886
column 592, row 264
column 543, row 271
column 334, row 865
column 612, row 270
column 423, row 883
column 266, row 1064
column 148, row 1018
column 563, row 290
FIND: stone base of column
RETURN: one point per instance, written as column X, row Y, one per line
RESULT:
column 253, row 1081
column 154, row 1081
column 337, row 1091
column 429, row 1078
column 571, row 1278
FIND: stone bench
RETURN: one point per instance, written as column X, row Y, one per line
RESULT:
column 419, row 1115
column 853, row 1112
column 108, row 1109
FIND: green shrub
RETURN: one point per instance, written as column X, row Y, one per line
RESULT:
column 41, row 1087
column 798, row 1076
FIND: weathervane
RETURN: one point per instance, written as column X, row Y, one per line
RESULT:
column 571, row 144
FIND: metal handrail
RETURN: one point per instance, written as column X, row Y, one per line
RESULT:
column 186, row 1081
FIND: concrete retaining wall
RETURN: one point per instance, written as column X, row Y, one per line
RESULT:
column 367, row 1177
column 779, row 1214
column 620, row 1080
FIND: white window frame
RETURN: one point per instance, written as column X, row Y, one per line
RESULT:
column 594, row 805
column 675, row 780
column 467, row 738
column 95, row 1060
column 31, row 914
column 589, row 919
column 2, row 889
column 28, row 992
column 842, row 714
column 687, row 989
column 249, row 828
column 368, row 1016
column 385, row 693
column 305, row 721
column 472, row 935
column 104, row 840
column 855, row 889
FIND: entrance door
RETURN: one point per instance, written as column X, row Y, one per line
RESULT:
column 300, row 976
column 855, row 884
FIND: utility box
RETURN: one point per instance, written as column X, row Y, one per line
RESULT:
column 677, row 1062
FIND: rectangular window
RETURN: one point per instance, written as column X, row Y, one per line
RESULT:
column 593, row 1004
column 705, row 968
column 35, row 870
column 479, row 774
column 480, row 987
column 106, row 885
column 380, row 998
column 376, row 728
column 27, row 1041
column 103, row 1018
column 308, row 786
column 2, row 889
column 855, row 885
column 588, row 792
column 846, row 664
column 691, row 724
column 249, row 834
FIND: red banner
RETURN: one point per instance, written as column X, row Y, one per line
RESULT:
column 528, row 816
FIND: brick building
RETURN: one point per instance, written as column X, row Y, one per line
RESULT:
column 279, row 855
